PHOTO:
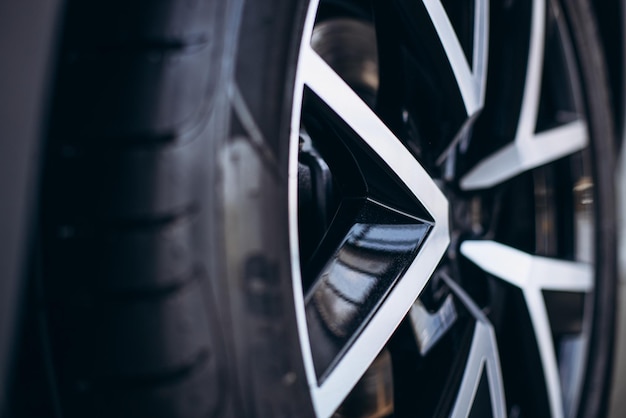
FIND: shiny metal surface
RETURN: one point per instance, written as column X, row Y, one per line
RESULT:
column 430, row 327
column 357, row 277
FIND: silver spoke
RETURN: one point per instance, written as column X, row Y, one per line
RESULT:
column 525, row 154
column 483, row 356
column 543, row 334
column 331, row 88
column 533, row 274
column 530, row 101
column 328, row 394
column 529, row 149
column 471, row 81
column 528, row 271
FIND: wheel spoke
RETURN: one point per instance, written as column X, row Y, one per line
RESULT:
column 525, row 154
column 328, row 303
column 471, row 81
column 533, row 274
column 483, row 359
column 543, row 334
column 529, row 149
column 340, row 97
column 527, row 271
column 530, row 101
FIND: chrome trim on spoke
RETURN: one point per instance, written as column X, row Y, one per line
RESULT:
column 532, row 275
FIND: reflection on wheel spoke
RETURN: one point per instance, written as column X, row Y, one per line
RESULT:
column 357, row 277
column 533, row 274
column 428, row 327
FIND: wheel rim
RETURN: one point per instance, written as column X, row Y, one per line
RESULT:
column 411, row 246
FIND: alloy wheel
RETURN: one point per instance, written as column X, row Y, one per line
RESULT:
column 442, row 209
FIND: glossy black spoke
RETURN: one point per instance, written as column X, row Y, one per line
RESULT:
column 360, row 272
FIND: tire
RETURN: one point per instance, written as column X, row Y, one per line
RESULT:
column 237, row 222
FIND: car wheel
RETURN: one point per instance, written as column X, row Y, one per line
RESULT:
column 493, row 145
column 330, row 208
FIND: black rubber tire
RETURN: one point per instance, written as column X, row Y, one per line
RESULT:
column 140, row 305
column 165, row 246
column 594, row 78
